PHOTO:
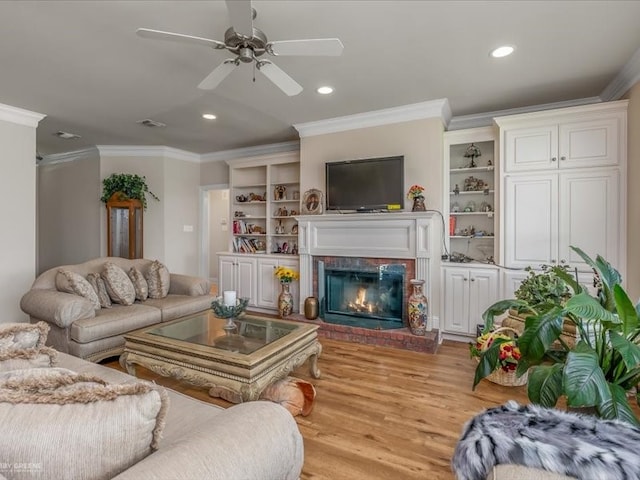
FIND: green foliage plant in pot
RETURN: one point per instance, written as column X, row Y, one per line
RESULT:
column 604, row 364
column 132, row 186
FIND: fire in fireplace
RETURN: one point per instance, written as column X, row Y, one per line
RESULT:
column 363, row 296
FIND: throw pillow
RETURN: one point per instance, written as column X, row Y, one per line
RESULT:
column 75, row 425
column 139, row 284
column 158, row 280
column 98, row 285
column 294, row 394
column 38, row 357
column 17, row 336
column 119, row 287
column 72, row 282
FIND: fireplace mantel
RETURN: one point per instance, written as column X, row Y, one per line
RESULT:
column 410, row 235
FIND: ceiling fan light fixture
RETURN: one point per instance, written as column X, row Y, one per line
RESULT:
column 209, row 116
column 325, row 90
column 67, row 135
column 502, row 51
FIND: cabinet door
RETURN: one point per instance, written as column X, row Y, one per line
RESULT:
column 267, row 283
column 511, row 281
column 483, row 292
column 246, row 279
column 531, row 220
column 531, row 148
column 589, row 144
column 226, row 274
column 589, row 216
column 456, row 300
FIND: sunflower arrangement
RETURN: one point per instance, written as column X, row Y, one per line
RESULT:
column 286, row 274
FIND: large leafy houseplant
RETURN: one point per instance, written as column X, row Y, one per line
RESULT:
column 132, row 186
column 603, row 365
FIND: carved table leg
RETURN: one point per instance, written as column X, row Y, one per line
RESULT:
column 313, row 362
column 128, row 366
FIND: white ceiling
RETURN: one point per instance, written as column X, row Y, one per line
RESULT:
column 81, row 64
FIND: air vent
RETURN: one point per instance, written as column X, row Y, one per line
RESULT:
column 66, row 135
column 147, row 122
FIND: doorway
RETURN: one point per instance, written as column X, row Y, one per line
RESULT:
column 215, row 228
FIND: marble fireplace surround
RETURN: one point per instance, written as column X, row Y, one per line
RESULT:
column 414, row 236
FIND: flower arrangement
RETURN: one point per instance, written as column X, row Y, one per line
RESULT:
column 508, row 352
column 286, row 274
column 415, row 191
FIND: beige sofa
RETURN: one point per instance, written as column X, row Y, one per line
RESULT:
column 251, row 441
column 80, row 330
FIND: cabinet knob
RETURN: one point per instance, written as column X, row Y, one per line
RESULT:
column 553, row 159
column 473, row 279
column 563, row 261
column 563, row 158
column 553, row 261
column 465, row 279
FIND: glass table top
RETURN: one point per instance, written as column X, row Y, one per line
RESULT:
column 250, row 334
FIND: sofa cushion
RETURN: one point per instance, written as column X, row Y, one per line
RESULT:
column 114, row 321
column 99, row 286
column 175, row 306
column 118, row 284
column 139, row 284
column 36, row 357
column 23, row 335
column 71, row 282
column 77, row 426
column 158, row 279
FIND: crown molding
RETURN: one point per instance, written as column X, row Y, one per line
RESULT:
column 68, row 156
column 416, row 111
column 626, row 78
column 147, row 151
column 20, row 116
column 258, row 150
column 486, row 118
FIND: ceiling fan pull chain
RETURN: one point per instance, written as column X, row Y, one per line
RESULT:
column 254, row 72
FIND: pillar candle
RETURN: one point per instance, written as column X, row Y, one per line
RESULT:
column 230, row 298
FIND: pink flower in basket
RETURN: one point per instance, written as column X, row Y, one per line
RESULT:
column 509, row 351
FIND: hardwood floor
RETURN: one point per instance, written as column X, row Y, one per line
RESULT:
column 383, row 413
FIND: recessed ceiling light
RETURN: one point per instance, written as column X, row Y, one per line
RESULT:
column 325, row 90
column 209, row 116
column 502, row 51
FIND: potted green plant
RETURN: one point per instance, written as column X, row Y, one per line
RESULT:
column 600, row 368
column 131, row 186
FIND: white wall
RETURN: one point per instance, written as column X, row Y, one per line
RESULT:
column 18, row 230
column 69, row 210
column 219, row 228
column 214, row 172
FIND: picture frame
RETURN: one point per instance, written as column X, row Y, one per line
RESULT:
column 312, row 202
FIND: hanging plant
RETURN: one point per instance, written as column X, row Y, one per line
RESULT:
column 132, row 186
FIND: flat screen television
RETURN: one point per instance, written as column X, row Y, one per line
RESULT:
column 365, row 185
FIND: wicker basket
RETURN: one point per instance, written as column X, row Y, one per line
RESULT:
column 499, row 376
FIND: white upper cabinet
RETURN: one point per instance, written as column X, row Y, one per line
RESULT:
column 575, row 137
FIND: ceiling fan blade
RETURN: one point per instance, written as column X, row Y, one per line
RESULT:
column 218, row 75
column 330, row 47
column 179, row 37
column 241, row 15
column 283, row 81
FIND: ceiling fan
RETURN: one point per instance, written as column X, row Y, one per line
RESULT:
column 248, row 44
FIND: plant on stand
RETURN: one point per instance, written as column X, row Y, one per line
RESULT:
column 285, row 275
column 415, row 194
column 128, row 186
column 601, row 368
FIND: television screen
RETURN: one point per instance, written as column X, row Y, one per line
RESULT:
column 365, row 185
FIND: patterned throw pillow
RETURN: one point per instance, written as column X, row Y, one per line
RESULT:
column 38, row 357
column 72, row 282
column 18, row 336
column 119, row 287
column 158, row 280
column 120, row 423
column 98, row 285
column 139, row 284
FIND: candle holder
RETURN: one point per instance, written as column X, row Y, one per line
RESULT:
column 229, row 312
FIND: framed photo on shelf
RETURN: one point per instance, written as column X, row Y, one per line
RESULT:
column 312, row 201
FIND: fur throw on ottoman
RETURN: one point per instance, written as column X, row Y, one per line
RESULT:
column 580, row 446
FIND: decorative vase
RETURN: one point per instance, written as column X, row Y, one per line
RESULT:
column 418, row 204
column 418, row 309
column 285, row 301
column 311, row 308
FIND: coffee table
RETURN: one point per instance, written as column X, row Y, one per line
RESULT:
column 236, row 366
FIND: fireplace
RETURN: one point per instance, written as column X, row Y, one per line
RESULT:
column 362, row 295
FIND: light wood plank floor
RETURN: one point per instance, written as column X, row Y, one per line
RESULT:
column 383, row 413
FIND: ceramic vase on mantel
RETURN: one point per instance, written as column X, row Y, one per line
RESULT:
column 418, row 204
column 418, row 309
column 285, row 300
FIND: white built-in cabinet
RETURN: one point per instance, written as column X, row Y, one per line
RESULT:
column 268, row 285
column 562, row 173
column 238, row 272
column 468, row 291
